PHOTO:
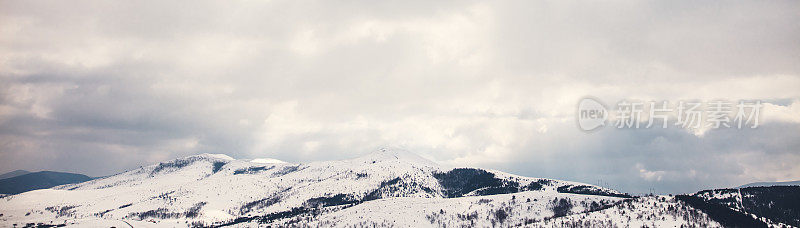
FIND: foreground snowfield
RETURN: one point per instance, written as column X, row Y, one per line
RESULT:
column 652, row 211
column 505, row 209
column 385, row 188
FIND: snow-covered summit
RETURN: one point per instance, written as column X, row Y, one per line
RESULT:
column 214, row 156
column 217, row 189
column 267, row 161
column 389, row 154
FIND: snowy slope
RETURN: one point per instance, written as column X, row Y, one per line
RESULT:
column 515, row 209
column 266, row 160
column 212, row 190
column 777, row 206
column 649, row 211
column 532, row 209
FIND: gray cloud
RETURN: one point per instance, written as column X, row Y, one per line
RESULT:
column 100, row 87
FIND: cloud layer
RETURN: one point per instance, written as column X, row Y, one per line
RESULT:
column 100, row 87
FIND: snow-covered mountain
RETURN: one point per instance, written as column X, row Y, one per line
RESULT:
column 387, row 187
column 777, row 206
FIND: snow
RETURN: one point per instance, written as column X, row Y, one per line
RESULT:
column 214, row 189
column 650, row 211
column 395, row 154
column 266, row 160
column 217, row 156
column 480, row 211
column 732, row 198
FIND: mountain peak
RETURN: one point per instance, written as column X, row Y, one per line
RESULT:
column 267, row 161
column 395, row 154
column 216, row 156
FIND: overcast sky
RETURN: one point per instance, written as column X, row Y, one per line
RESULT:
column 100, row 87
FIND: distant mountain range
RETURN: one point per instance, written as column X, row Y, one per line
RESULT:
column 14, row 174
column 389, row 187
column 768, row 184
column 22, row 181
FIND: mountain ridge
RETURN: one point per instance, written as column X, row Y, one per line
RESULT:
column 39, row 180
column 217, row 190
column 243, row 188
column 768, row 184
column 14, row 173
